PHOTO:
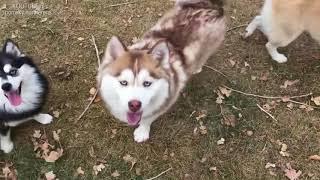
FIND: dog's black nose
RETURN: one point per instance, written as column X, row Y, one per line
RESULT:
column 134, row 105
column 6, row 86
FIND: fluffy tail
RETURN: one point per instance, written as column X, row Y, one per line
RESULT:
column 203, row 4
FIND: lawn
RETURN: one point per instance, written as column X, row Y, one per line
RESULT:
column 185, row 140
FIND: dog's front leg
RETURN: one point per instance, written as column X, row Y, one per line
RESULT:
column 43, row 118
column 142, row 133
column 6, row 145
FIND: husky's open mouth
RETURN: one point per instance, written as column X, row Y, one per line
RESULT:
column 134, row 118
column 14, row 96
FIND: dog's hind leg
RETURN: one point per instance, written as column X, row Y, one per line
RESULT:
column 6, row 145
column 254, row 24
column 280, row 38
column 43, row 118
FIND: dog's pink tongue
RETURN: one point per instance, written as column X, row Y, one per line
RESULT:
column 14, row 98
column 134, row 118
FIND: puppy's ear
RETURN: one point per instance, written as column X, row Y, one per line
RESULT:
column 161, row 53
column 115, row 48
column 12, row 48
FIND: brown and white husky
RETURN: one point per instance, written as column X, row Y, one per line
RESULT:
column 282, row 21
column 141, row 82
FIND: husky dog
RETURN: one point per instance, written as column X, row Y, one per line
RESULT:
column 141, row 82
column 282, row 21
column 22, row 94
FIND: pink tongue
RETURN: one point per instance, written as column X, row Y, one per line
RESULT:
column 14, row 98
column 134, row 118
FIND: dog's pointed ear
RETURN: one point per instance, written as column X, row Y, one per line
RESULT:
column 12, row 48
column 115, row 48
column 161, row 53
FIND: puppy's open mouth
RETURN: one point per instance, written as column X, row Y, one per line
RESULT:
column 134, row 118
column 14, row 96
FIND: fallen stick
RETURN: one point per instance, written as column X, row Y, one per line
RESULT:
column 289, row 99
column 97, row 91
column 214, row 69
column 236, row 27
column 159, row 174
column 267, row 113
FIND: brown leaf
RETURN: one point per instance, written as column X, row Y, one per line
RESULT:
column 92, row 91
column 288, row 83
column 291, row 173
column 202, row 114
column 115, row 174
column 50, row 175
column 37, row 134
column 56, row 114
column 53, row 156
column 225, row 91
column 98, row 168
column 264, row 76
column 56, row 135
column 79, row 171
column 232, row 62
column 129, row 159
column 315, row 157
column 316, row 100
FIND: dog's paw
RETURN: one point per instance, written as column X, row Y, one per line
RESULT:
column 280, row 58
column 6, row 146
column 198, row 71
column 44, row 118
column 141, row 134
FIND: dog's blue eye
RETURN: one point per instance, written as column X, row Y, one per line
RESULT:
column 147, row 84
column 124, row 83
column 13, row 72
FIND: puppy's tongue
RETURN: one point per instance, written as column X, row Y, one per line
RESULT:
column 134, row 118
column 14, row 98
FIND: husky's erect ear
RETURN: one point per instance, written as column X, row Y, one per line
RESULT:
column 11, row 48
column 115, row 48
column 161, row 53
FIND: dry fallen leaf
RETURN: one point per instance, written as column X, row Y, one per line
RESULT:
column 232, row 62
column 129, row 159
column 315, row 157
column 98, row 168
column 225, row 91
column 221, row 141
column 56, row 135
column 202, row 114
column 316, row 100
column 270, row 165
column 79, row 171
column 36, row 134
column 115, row 174
column 228, row 118
column 213, row 168
column 93, row 91
column 291, row 173
column 288, row 83
column 264, row 77
column 53, row 155
column 80, row 38
column 50, row 175
column 249, row 133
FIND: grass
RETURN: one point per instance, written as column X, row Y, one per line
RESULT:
column 173, row 143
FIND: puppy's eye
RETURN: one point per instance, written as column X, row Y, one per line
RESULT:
column 124, row 83
column 13, row 72
column 147, row 84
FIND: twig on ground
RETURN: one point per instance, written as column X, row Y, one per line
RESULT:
column 267, row 113
column 289, row 99
column 97, row 91
column 236, row 27
column 121, row 4
column 209, row 67
column 160, row 174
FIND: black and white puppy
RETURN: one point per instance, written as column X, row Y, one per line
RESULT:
column 22, row 94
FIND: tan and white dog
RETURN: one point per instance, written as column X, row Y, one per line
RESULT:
column 141, row 82
column 282, row 21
